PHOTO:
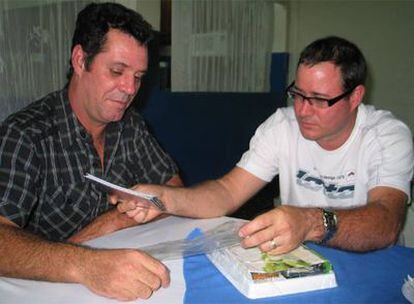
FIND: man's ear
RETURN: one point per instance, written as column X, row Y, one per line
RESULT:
column 78, row 59
column 357, row 96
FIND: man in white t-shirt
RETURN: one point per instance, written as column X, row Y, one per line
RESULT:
column 344, row 167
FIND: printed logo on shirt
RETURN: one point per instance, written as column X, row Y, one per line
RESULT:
column 330, row 186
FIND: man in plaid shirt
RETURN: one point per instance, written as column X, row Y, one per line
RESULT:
column 87, row 127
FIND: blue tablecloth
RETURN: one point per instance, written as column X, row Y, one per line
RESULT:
column 374, row 277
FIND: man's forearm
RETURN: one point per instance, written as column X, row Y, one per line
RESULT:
column 123, row 274
column 106, row 223
column 192, row 202
column 367, row 228
column 373, row 226
column 211, row 198
column 206, row 200
column 23, row 255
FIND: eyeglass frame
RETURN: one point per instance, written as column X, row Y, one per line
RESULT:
column 330, row 101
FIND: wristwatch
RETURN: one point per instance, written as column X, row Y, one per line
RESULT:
column 330, row 222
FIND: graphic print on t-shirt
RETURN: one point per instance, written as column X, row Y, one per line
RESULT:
column 334, row 187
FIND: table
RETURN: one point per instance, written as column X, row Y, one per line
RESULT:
column 374, row 277
column 171, row 228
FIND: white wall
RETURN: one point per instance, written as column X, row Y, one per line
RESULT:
column 149, row 9
column 384, row 31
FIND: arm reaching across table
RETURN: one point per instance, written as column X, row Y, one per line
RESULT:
column 373, row 226
column 209, row 199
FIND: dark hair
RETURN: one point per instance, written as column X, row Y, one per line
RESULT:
column 340, row 52
column 94, row 22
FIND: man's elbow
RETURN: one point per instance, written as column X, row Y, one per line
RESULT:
column 395, row 234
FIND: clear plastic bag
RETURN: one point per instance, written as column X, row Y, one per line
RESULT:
column 224, row 235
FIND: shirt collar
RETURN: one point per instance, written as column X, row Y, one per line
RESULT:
column 69, row 126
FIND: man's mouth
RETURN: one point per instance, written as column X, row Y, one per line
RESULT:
column 121, row 102
column 306, row 122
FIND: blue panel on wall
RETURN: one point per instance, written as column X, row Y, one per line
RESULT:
column 278, row 73
column 206, row 133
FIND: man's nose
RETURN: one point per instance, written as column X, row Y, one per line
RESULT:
column 304, row 107
column 129, row 85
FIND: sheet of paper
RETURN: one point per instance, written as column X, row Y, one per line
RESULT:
column 143, row 200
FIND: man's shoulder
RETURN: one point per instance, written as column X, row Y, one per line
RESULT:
column 286, row 114
column 378, row 122
column 282, row 118
column 133, row 115
column 34, row 120
column 133, row 120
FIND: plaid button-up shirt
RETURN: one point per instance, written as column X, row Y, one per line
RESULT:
column 45, row 153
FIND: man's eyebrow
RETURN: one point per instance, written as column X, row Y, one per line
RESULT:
column 124, row 65
column 120, row 63
column 311, row 94
column 140, row 74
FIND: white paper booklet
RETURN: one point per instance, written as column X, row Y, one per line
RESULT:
column 258, row 275
column 146, row 200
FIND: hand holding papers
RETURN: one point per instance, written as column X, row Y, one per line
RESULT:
column 143, row 200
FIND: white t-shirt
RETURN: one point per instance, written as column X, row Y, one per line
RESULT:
column 379, row 152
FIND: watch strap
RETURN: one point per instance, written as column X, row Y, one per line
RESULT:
column 330, row 222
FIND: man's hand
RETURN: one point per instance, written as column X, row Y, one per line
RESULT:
column 137, row 209
column 283, row 229
column 123, row 274
column 134, row 208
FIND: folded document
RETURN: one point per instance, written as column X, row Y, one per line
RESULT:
column 146, row 200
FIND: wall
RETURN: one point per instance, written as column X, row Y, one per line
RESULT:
column 35, row 38
column 149, row 9
column 383, row 30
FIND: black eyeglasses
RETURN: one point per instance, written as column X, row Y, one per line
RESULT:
column 317, row 102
